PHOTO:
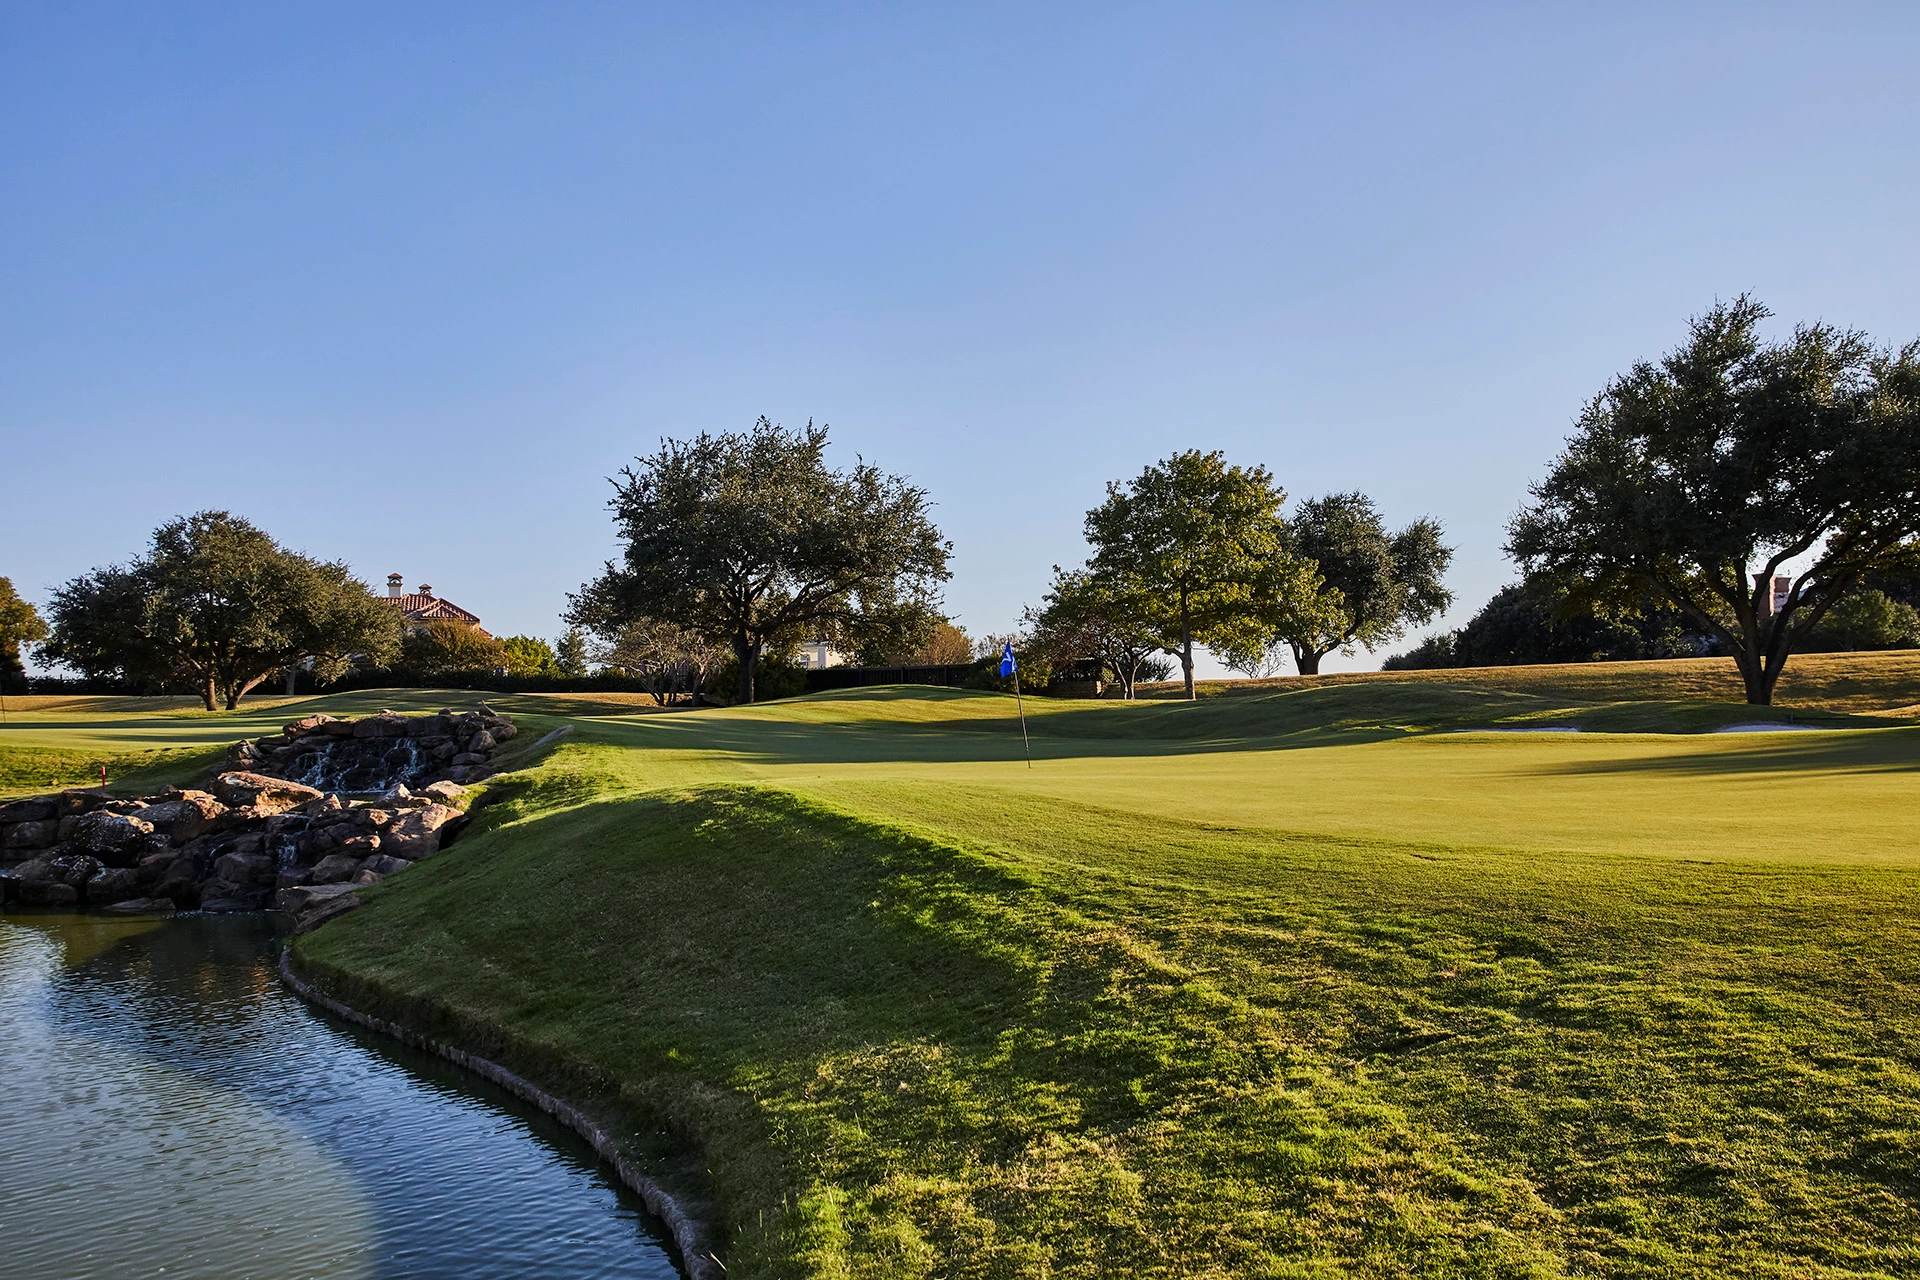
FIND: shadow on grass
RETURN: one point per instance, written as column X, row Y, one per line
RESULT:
column 1883, row 751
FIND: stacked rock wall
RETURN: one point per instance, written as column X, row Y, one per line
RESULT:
column 251, row 841
column 378, row 752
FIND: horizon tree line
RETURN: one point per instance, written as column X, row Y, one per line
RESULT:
column 1686, row 487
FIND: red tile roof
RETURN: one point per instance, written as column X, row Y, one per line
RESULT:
column 418, row 608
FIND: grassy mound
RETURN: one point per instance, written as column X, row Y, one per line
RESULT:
column 1289, row 985
column 1837, row 682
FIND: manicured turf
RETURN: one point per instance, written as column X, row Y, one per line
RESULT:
column 1318, row 980
column 1298, row 984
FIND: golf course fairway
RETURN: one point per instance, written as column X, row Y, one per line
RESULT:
column 1334, row 979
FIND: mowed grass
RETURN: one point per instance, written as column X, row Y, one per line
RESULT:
column 1307, row 983
column 48, row 743
column 1839, row 682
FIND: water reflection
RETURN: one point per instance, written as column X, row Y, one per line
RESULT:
column 173, row 1112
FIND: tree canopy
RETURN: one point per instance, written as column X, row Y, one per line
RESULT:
column 446, row 647
column 217, row 605
column 1198, row 547
column 671, row 662
column 570, row 654
column 750, row 539
column 1699, row 478
column 1373, row 584
column 1534, row 621
column 20, row 624
column 529, row 656
column 1085, row 615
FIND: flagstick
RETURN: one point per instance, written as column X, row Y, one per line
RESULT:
column 1018, row 702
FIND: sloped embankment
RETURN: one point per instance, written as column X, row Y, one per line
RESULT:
column 1132, row 1046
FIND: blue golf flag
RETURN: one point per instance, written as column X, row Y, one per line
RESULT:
column 1007, row 665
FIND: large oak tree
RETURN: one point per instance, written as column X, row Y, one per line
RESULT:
column 752, row 540
column 216, row 605
column 1200, row 546
column 1699, row 478
column 1374, row 584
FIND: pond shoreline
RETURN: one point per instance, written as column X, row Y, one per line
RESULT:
column 690, row 1235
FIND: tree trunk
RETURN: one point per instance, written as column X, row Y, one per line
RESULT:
column 1186, row 646
column 748, row 654
column 1757, row 674
column 1307, row 661
column 206, row 695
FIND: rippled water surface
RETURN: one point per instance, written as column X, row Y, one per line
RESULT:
column 171, row 1111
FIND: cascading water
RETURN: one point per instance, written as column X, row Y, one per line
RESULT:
column 350, row 765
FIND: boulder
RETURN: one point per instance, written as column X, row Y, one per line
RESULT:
column 179, row 886
column 46, row 893
column 264, row 795
column 114, row 884
column 75, row 868
column 382, row 864
column 324, row 808
column 502, row 729
column 244, row 869
column 140, row 906
column 114, row 837
column 39, row 834
column 35, row 809
column 387, row 724
column 156, row 867
column 480, row 743
column 306, row 725
column 338, row 728
column 444, row 792
column 416, row 832
column 315, row 916
column 361, row 844
column 302, row 897
column 81, row 800
column 226, row 906
column 36, row 870
column 334, row 869
column 184, row 816
column 467, row 759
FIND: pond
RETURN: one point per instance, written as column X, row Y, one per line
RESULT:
column 172, row 1111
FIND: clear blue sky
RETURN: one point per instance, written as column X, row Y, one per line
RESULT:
column 404, row 284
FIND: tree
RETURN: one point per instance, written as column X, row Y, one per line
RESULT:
column 948, row 646
column 529, row 656
column 1534, row 621
column 1198, row 544
column 444, row 647
column 1698, row 479
column 1866, row 620
column 936, row 643
column 570, row 655
column 20, row 624
column 1086, row 616
column 1374, row 584
column 751, row 540
column 218, row 605
column 670, row 661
